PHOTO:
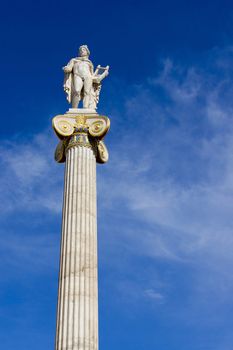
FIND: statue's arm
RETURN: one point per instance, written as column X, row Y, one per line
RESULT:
column 68, row 68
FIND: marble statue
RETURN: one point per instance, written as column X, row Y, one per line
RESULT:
column 82, row 82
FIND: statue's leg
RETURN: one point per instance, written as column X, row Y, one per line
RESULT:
column 87, row 85
column 76, row 93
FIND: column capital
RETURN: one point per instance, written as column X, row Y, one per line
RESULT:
column 81, row 130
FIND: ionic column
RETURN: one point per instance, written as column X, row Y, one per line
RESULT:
column 77, row 311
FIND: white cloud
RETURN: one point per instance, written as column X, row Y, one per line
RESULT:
column 182, row 86
column 182, row 200
column 28, row 253
column 30, row 178
column 152, row 294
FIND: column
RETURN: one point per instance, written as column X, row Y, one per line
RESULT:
column 77, row 308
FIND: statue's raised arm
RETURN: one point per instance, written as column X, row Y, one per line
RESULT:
column 82, row 82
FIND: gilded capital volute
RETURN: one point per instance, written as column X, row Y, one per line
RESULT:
column 81, row 131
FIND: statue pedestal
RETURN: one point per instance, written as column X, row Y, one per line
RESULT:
column 82, row 111
column 81, row 139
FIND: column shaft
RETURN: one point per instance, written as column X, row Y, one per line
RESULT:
column 77, row 313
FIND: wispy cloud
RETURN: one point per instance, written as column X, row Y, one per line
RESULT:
column 173, row 172
column 28, row 253
column 29, row 179
column 152, row 294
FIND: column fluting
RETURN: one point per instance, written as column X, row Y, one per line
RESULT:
column 77, row 311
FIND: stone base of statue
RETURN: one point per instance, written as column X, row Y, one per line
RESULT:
column 82, row 111
column 81, row 146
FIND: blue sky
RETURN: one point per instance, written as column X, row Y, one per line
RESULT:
column 165, row 198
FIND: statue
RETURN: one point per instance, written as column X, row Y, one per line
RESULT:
column 82, row 82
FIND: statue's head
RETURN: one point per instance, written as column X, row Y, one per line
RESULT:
column 84, row 51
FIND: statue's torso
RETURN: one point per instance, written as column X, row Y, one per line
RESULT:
column 82, row 68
